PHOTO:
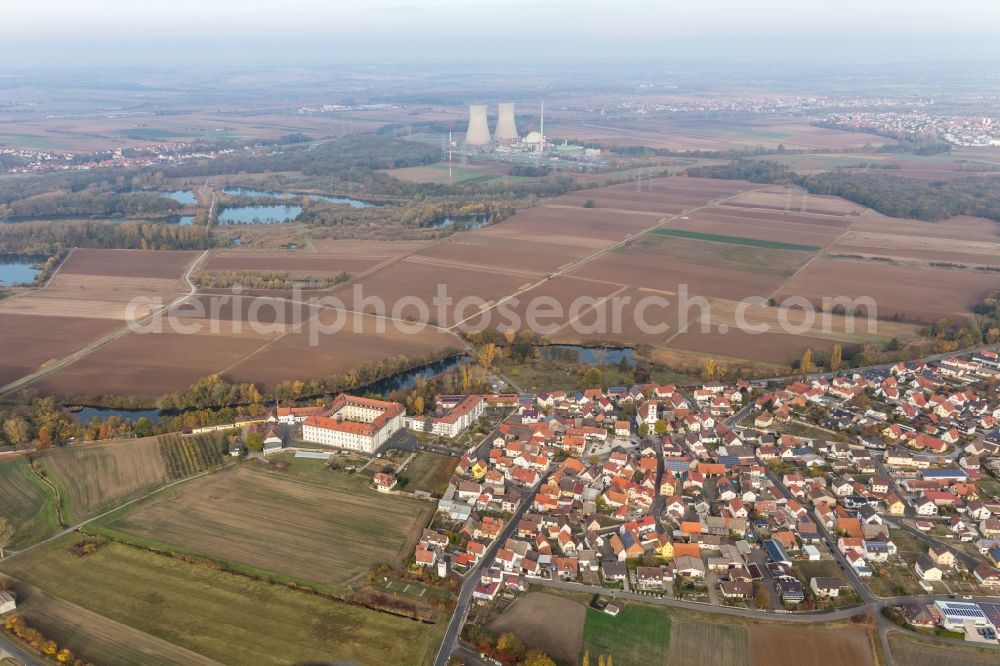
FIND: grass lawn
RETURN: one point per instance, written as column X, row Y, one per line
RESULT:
column 27, row 502
column 307, row 522
column 735, row 240
column 430, row 472
column 818, row 568
column 222, row 616
column 638, row 635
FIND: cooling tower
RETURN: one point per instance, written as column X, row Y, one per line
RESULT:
column 506, row 127
column 478, row 133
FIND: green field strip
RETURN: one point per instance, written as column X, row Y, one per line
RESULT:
column 736, row 240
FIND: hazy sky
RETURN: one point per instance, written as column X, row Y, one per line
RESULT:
column 80, row 32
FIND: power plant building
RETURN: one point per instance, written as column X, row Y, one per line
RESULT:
column 478, row 133
column 506, row 125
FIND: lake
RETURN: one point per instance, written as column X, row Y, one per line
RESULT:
column 592, row 355
column 86, row 414
column 185, row 197
column 259, row 214
column 18, row 269
column 250, row 192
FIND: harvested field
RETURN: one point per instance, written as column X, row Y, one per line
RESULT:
column 96, row 477
column 588, row 229
column 367, row 248
column 735, row 345
column 736, row 256
column 707, row 643
column 917, row 293
column 93, row 637
column 561, row 305
column 230, row 311
column 218, row 615
column 827, row 326
column 325, row 263
column 153, row 364
column 361, row 339
column 165, row 264
column 40, row 339
column 548, row 623
column 509, row 253
column 830, row 646
column 912, row 651
column 26, row 501
column 665, row 196
column 319, row 526
column 919, row 249
column 958, row 228
column 647, row 269
column 776, row 198
column 767, row 226
column 407, row 282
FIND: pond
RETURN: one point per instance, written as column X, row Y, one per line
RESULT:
column 592, row 355
column 271, row 194
column 259, row 214
column 86, row 414
column 17, row 269
column 182, row 220
column 185, row 197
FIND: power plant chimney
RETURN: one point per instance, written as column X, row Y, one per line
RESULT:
column 478, row 133
column 506, row 126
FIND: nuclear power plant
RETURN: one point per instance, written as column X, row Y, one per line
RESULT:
column 478, row 133
column 506, row 145
column 506, row 125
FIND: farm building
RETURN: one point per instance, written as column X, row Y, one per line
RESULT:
column 7, row 603
column 361, row 424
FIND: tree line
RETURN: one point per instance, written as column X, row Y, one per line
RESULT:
column 265, row 280
column 890, row 195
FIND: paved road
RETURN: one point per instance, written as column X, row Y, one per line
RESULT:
column 967, row 559
column 17, row 652
column 801, row 616
column 451, row 635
